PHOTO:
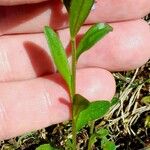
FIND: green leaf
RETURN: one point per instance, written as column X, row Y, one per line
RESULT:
column 109, row 145
column 148, row 81
column 58, row 54
column 114, row 101
column 92, row 36
column 94, row 111
column 146, row 100
column 79, row 104
column 92, row 140
column 45, row 147
column 102, row 132
column 68, row 144
column 147, row 121
column 79, row 11
column 105, row 143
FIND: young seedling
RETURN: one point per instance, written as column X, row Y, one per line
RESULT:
column 83, row 111
column 105, row 143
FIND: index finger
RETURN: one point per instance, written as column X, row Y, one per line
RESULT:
column 32, row 18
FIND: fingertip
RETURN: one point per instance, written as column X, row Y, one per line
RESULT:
column 99, row 84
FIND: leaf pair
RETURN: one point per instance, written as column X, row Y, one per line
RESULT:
column 93, row 35
column 78, row 12
column 85, row 111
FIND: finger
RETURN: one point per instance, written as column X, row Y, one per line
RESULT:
column 18, row 2
column 126, row 48
column 111, row 11
column 27, row 56
column 31, row 105
column 25, row 19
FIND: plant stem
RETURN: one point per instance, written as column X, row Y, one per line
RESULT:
column 90, row 143
column 92, row 127
column 91, row 135
column 74, row 136
column 73, row 44
column 92, row 140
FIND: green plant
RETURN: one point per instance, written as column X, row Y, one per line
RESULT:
column 84, row 111
column 46, row 147
column 105, row 143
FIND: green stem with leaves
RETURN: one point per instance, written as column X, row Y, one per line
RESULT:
column 83, row 111
column 73, row 82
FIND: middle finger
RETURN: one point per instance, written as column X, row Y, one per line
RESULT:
column 32, row 18
column 27, row 56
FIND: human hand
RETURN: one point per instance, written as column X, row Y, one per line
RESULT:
column 32, row 94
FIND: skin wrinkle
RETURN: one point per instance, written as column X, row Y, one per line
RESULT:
column 3, row 118
column 4, row 62
column 47, row 100
column 51, row 95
